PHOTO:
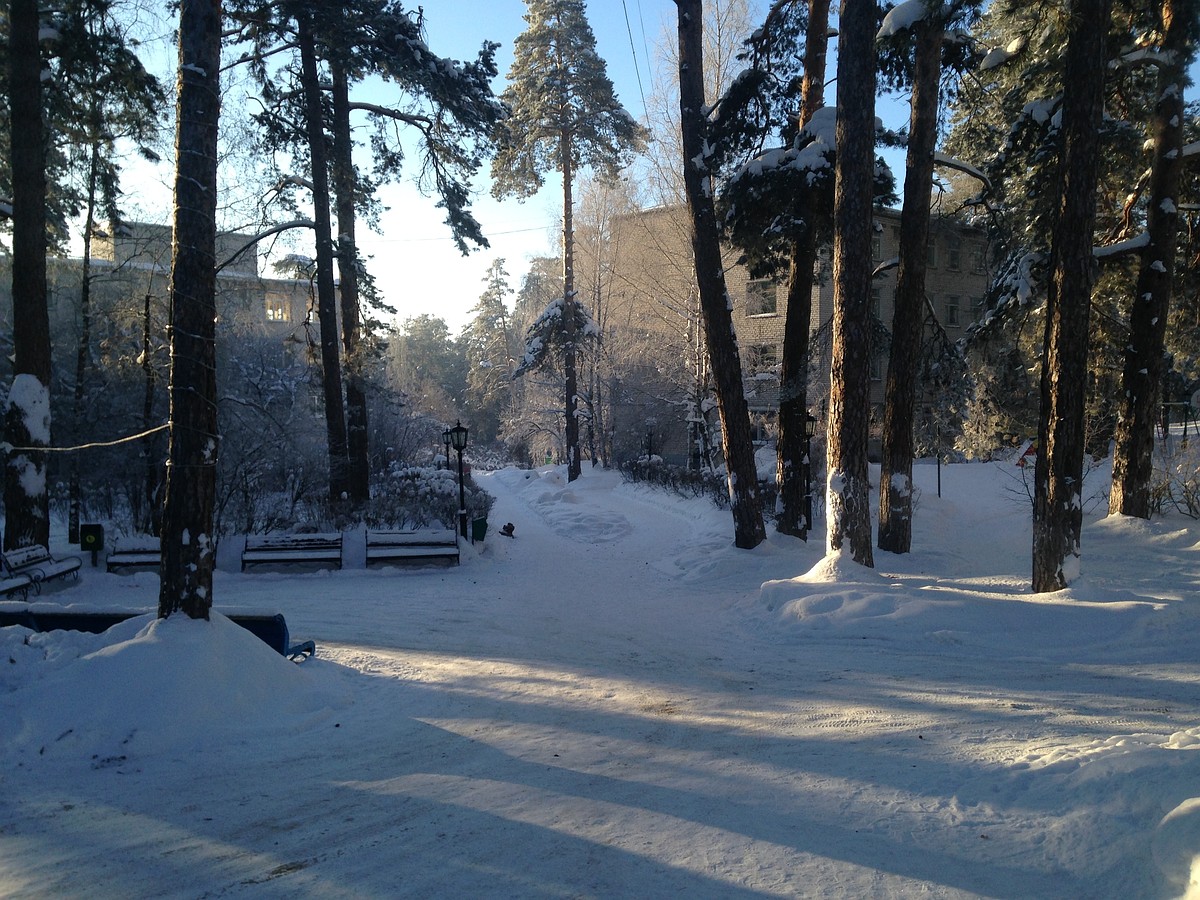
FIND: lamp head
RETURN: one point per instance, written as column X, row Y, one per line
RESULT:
column 458, row 436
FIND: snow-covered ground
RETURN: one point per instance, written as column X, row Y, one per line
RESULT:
column 618, row 703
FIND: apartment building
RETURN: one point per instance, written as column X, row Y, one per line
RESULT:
column 654, row 301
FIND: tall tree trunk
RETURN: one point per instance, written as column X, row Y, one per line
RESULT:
column 848, row 486
column 331, row 367
column 710, row 280
column 895, row 479
column 83, row 350
column 1058, row 475
column 151, row 517
column 27, row 416
column 1133, row 463
column 570, row 332
column 793, row 467
column 344, row 184
column 188, row 544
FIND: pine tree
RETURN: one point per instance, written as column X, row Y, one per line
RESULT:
column 698, row 172
column 490, row 351
column 188, row 541
column 1143, row 371
column 564, row 116
column 928, row 33
column 848, row 504
column 27, row 415
column 1058, row 474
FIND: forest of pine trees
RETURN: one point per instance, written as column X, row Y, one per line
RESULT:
column 1060, row 129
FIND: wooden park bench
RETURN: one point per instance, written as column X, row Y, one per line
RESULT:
column 134, row 553
column 36, row 563
column 433, row 546
column 15, row 584
column 270, row 628
column 292, row 550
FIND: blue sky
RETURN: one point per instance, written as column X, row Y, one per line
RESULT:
column 416, row 262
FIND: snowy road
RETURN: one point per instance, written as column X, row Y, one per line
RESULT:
column 609, row 706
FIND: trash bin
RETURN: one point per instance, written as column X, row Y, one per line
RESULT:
column 478, row 529
column 91, row 537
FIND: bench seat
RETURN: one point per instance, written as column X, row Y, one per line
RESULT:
column 293, row 549
column 422, row 546
column 39, row 566
column 131, row 554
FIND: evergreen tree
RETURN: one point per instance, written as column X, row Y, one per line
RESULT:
column 188, row 541
column 698, row 171
column 490, row 350
column 1058, row 475
column 848, row 504
column 27, row 412
column 1143, row 372
column 447, row 104
column 565, row 116
column 927, row 26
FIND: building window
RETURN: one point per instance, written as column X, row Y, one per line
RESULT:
column 877, row 303
column 877, row 242
column 760, row 297
column 953, row 256
column 932, row 259
column 762, row 358
column 952, row 311
column 977, row 258
column 278, row 308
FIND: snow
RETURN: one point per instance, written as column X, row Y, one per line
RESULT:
column 905, row 15
column 616, row 702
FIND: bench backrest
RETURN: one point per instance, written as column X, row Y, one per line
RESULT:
column 26, row 556
column 293, row 541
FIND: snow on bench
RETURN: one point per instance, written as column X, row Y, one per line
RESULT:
column 36, row 563
column 293, row 549
column 427, row 545
column 134, row 553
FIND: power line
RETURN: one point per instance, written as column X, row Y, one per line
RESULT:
column 633, row 50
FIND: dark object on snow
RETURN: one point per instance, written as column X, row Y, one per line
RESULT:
column 270, row 628
column 507, row 530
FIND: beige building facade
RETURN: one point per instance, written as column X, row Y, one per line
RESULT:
column 655, row 303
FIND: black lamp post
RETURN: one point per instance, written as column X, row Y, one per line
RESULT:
column 810, row 428
column 458, row 439
column 446, row 441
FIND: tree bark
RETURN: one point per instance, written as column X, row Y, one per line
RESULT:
column 722, row 346
column 900, row 393
column 848, row 487
column 331, row 368
column 27, row 416
column 1133, row 462
column 344, row 185
column 188, row 545
column 83, row 349
column 793, row 468
column 570, row 332
column 1058, row 475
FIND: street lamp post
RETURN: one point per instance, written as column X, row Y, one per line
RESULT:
column 458, row 439
column 446, row 441
column 810, row 428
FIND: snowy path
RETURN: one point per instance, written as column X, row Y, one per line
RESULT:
column 602, row 707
